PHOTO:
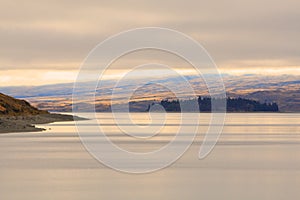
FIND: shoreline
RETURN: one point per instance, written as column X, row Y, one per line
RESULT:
column 18, row 124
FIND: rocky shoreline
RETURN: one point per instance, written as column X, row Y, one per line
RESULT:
column 13, row 124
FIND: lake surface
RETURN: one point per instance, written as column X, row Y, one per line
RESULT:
column 257, row 157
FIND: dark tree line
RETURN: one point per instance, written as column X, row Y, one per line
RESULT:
column 204, row 105
column 240, row 104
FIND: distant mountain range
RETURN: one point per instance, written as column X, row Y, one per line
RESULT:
column 284, row 90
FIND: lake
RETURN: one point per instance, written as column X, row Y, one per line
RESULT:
column 256, row 157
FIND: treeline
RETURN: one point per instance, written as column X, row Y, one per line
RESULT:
column 204, row 105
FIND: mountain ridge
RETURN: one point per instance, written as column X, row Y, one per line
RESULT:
column 284, row 90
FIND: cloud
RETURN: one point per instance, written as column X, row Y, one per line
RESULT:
column 58, row 34
column 35, row 77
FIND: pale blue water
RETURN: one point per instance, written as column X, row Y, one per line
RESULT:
column 257, row 157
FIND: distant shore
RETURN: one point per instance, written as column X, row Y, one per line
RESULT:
column 13, row 124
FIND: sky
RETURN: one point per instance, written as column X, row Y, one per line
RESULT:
column 45, row 41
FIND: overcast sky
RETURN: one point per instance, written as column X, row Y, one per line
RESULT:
column 52, row 37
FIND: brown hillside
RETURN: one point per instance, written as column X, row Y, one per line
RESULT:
column 15, row 107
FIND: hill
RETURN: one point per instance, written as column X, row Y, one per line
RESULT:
column 19, row 116
column 10, row 106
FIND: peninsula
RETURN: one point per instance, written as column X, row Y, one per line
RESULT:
column 19, row 116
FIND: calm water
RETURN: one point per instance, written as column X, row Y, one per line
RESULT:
column 257, row 157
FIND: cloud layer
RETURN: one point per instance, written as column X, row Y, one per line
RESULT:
column 58, row 34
